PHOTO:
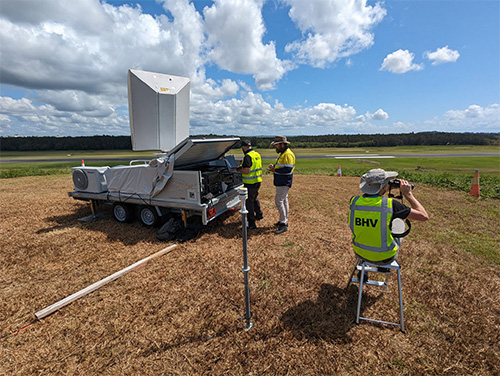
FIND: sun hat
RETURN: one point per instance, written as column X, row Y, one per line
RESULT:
column 279, row 140
column 246, row 143
column 374, row 180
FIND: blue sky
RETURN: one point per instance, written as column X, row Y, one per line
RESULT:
column 292, row 67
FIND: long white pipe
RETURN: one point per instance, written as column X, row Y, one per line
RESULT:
column 87, row 290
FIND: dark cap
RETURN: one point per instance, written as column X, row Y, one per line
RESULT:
column 246, row 143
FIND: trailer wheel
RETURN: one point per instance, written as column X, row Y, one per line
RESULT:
column 149, row 216
column 122, row 212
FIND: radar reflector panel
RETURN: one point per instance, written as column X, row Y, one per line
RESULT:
column 158, row 109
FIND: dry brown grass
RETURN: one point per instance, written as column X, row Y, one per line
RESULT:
column 180, row 313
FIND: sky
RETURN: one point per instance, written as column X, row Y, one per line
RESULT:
column 256, row 67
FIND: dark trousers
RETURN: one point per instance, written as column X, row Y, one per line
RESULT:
column 252, row 203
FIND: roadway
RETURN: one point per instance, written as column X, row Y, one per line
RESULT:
column 297, row 155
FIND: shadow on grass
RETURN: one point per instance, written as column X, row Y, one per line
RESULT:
column 229, row 226
column 199, row 340
column 329, row 318
column 127, row 233
column 64, row 221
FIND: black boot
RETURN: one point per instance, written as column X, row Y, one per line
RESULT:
column 281, row 229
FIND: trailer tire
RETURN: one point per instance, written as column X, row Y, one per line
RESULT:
column 122, row 212
column 149, row 217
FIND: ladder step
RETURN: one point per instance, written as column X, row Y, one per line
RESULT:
column 373, row 269
column 370, row 282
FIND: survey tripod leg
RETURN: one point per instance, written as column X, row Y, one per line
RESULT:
column 248, row 314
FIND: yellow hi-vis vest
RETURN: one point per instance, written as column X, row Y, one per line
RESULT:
column 369, row 219
column 255, row 175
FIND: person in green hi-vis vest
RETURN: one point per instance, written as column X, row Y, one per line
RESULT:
column 251, row 174
column 371, row 216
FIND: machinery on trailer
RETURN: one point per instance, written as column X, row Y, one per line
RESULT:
column 190, row 176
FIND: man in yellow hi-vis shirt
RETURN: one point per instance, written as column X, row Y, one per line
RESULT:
column 283, row 177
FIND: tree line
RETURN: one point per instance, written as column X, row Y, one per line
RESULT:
column 383, row 140
column 44, row 143
column 35, row 143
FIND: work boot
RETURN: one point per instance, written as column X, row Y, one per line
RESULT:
column 281, row 229
column 278, row 224
column 252, row 226
column 259, row 217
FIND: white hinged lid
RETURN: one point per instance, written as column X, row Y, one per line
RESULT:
column 195, row 151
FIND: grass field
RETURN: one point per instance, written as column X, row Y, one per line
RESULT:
column 439, row 171
column 103, row 154
column 180, row 314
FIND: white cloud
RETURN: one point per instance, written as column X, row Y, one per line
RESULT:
column 251, row 114
column 74, row 57
column 332, row 29
column 41, row 120
column 235, row 30
column 473, row 117
column 89, row 46
column 207, row 89
column 70, row 60
column 379, row 115
column 400, row 61
column 442, row 55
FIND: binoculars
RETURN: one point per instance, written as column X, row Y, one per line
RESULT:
column 396, row 183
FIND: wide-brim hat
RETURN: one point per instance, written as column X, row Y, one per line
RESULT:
column 280, row 140
column 246, row 143
column 374, row 180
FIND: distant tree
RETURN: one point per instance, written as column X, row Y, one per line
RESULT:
column 104, row 142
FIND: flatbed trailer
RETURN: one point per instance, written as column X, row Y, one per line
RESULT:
column 150, row 210
column 195, row 178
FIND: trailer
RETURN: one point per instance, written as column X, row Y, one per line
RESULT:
column 194, row 178
column 190, row 176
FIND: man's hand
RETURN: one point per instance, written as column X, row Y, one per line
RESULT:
column 405, row 187
column 417, row 210
column 271, row 168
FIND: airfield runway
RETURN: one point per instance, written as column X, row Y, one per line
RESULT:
column 328, row 156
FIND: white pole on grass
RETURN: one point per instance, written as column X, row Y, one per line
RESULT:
column 248, row 314
column 87, row 290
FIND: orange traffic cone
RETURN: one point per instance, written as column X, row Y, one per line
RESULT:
column 474, row 191
column 339, row 171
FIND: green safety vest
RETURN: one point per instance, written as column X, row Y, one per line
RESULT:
column 255, row 175
column 369, row 219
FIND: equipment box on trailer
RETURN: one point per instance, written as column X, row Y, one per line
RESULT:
column 194, row 178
